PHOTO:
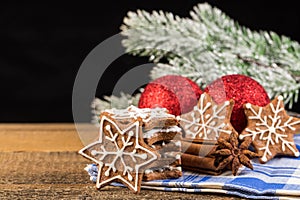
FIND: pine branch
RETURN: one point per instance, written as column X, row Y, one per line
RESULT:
column 210, row 45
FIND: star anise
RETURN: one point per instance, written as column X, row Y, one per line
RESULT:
column 232, row 155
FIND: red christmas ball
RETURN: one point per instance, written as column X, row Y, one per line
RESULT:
column 242, row 89
column 176, row 93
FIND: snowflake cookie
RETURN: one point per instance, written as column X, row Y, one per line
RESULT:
column 271, row 130
column 207, row 120
column 121, row 154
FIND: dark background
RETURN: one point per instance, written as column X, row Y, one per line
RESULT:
column 43, row 45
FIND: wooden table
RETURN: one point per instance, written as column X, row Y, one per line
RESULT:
column 40, row 161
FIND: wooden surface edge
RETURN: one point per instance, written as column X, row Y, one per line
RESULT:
column 45, row 137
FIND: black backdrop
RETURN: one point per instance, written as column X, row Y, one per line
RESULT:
column 43, row 45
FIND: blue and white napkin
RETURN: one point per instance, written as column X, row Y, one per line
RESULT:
column 277, row 179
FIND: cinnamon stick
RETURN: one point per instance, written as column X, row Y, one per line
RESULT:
column 197, row 149
column 199, row 164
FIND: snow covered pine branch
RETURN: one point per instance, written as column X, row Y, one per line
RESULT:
column 209, row 45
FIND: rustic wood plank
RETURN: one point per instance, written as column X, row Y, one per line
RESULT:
column 40, row 161
column 44, row 137
column 60, row 175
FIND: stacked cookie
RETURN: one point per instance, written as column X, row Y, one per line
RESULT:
column 161, row 131
column 134, row 145
column 167, row 142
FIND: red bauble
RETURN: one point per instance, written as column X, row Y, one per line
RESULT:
column 242, row 89
column 176, row 93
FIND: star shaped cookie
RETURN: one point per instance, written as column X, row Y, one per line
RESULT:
column 271, row 130
column 208, row 120
column 120, row 153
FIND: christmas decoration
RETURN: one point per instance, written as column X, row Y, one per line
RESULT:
column 230, row 153
column 207, row 46
column 207, row 120
column 176, row 93
column 233, row 65
column 242, row 89
column 271, row 129
column 121, row 154
column 210, row 45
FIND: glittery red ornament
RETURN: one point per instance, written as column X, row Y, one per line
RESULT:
column 176, row 93
column 242, row 89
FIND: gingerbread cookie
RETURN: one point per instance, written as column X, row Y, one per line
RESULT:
column 208, row 120
column 167, row 142
column 150, row 118
column 161, row 132
column 157, row 136
column 271, row 130
column 121, row 154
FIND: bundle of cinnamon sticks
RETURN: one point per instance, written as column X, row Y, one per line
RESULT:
column 197, row 155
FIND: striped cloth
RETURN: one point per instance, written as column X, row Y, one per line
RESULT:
column 277, row 179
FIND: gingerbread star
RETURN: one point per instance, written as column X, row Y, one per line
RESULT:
column 120, row 153
column 208, row 120
column 271, row 130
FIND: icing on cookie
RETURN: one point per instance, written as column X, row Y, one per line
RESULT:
column 146, row 114
column 152, row 132
column 113, row 147
column 271, row 128
column 161, row 169
column 204, row 119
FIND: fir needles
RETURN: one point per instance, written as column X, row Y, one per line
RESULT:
column 209, row 45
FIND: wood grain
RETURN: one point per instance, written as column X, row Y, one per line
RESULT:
column 40, row 161
column 60, row 175
column 44, row 137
